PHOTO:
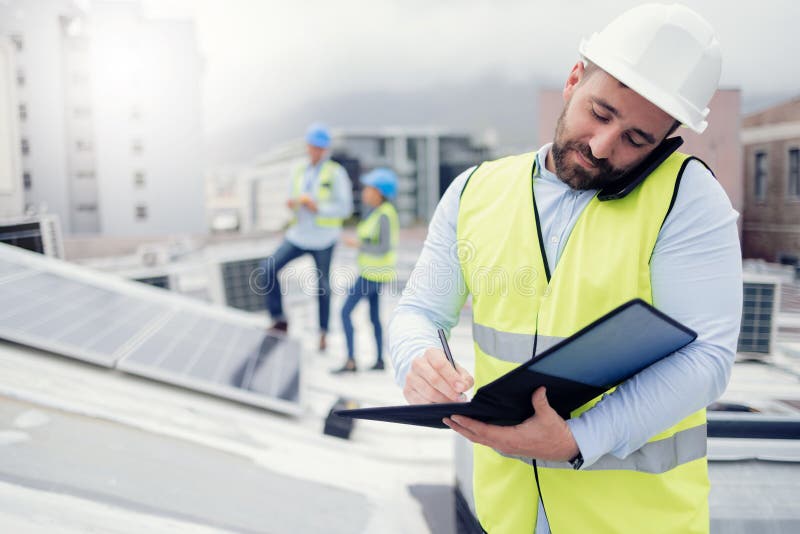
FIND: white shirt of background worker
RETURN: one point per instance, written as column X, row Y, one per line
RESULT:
column 321, row 197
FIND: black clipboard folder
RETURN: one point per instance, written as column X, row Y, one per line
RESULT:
column 602, row 355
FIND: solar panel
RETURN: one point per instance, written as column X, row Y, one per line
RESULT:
column 220, row 357
column 72, row 318
column 758, row 312
column 76, row 312
column 25, row 235
column 39, row 233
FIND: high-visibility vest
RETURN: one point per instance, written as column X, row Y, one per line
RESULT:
column 518, row 305
column 379, row 268
column 322, row 193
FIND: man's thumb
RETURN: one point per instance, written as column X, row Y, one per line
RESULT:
column 539, row 400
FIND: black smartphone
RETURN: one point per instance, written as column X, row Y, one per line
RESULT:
column 628, row 182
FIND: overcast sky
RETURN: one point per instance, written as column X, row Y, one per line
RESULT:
column 267, row 60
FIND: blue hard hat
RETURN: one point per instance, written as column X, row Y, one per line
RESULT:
column 318, row 135
column 382, row 179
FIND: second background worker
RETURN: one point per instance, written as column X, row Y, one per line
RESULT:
column 377, row 237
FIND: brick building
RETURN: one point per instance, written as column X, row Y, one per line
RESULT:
column 771, row 218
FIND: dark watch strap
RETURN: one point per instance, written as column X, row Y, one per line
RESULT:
column 577, row 461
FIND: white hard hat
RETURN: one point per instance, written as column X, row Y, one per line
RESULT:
column 666, row 53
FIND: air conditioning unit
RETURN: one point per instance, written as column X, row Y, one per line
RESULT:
column 152, row 255
column 37, row 233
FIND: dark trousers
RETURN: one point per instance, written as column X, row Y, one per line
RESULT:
column 278, row 260
column 369, row 289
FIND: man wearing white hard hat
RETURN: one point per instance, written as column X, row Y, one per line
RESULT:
column 321, row 198
column 607, row 212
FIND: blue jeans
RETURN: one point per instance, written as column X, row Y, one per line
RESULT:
column 369, row 289
column 278, row 260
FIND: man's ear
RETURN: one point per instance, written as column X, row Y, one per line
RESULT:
column 574, row 78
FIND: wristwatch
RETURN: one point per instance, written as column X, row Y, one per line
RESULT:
column 577, row 461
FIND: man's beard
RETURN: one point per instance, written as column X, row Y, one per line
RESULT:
column 574, row 175
column 578, row 177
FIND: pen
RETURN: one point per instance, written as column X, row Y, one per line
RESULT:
column 446, row 347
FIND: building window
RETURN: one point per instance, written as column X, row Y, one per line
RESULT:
column 138, row 179
column 141, row 212
column 794, row 174
column 87, row 208
column 137, row 147
column 26, row 180
column 23, row 112
column 20, row 77
column 26, row 147
column 17, row 40
column 411, row 149
column 760, row 176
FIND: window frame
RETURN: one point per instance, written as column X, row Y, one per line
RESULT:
column 757, row 155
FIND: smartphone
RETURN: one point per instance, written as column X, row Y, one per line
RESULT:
column 628, row 182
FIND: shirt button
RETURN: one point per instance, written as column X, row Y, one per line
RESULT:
column 554, row 240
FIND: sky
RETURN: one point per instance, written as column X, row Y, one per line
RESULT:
column 270, row 67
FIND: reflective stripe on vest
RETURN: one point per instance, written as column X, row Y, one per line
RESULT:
column 516, row 348
column 655, row 456
column 663, row 486
column 379, row 268
column 323, row 191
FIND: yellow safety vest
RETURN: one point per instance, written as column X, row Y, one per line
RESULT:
column 379, row 268
column 322, row 193
column 663, row 486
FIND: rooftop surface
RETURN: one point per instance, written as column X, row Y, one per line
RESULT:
column 91, row 448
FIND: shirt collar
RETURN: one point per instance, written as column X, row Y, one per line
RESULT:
column 320, row 163
column 540, row 171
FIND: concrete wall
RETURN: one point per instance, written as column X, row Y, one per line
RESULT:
column 11, row 193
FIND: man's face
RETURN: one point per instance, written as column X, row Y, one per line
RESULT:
column 604, row 130
column 371, row 196
column 315, row 153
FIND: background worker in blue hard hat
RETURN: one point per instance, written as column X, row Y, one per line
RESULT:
column 321, row 197
column 378, row 234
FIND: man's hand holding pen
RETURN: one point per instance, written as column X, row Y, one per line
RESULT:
column 436, row 377
column 432, row 378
